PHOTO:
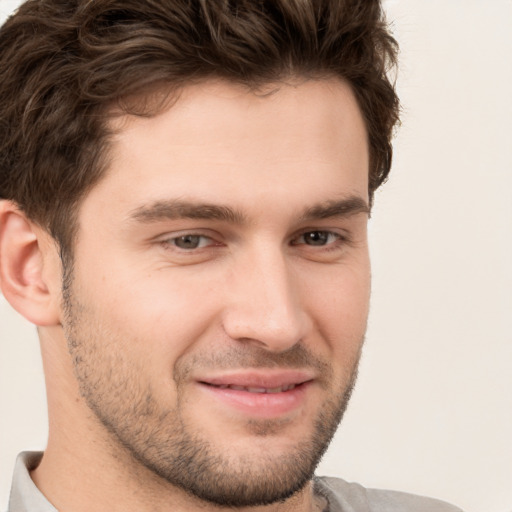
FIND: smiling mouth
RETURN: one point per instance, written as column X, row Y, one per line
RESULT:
column 260, row 395
column 280, row 389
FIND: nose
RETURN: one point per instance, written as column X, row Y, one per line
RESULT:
column 264, row 305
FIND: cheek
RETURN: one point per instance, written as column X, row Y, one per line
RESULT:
column 160, row 315
column 339, row 305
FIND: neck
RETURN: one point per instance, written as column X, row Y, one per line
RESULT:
column 74, row 483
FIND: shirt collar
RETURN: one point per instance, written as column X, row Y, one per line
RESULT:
column 25, row 496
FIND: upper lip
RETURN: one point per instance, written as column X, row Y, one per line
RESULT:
column 259, row 379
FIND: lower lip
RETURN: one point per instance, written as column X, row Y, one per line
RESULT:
column 260, row 405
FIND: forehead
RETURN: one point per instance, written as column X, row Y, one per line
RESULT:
column 197, row 111
column 220, row 142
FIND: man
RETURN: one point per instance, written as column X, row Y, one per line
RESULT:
column 185, row 193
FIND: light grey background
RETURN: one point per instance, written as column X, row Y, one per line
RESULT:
column 432, row 413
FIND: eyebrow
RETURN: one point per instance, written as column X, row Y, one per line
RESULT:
column 337, row 208
column 177, row 209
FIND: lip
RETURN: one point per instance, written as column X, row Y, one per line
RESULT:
column 260, row 394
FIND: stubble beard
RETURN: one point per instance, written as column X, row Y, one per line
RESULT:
column 160, row 440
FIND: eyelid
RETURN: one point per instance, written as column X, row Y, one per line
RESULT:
column 340, row 235
column 168, row 238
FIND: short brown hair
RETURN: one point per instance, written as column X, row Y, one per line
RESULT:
column 65, row 63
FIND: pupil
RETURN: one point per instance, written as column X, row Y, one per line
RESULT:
column 316, row 238
column 188, row 241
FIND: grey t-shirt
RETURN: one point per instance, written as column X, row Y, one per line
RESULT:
column 339, row 496
column 351, row 497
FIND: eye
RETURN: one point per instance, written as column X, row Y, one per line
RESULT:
column 317, row 238
column 189, row 241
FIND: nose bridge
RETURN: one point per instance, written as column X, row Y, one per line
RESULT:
column 265, row 305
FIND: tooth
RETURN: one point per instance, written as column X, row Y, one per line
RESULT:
column 279, row 389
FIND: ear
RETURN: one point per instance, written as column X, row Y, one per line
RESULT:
column 29, row 277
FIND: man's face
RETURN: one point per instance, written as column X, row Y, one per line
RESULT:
column 220, row 286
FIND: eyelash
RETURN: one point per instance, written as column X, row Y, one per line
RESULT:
column 333, row 244
column 172, row 241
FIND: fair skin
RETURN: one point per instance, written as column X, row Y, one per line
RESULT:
column 217, row 304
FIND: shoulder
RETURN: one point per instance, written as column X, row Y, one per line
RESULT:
column 351, row 497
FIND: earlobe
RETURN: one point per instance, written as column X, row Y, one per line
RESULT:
column 23, row 280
